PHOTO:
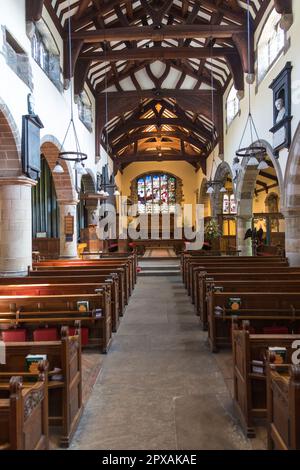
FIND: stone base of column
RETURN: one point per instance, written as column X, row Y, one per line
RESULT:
column 8, row 274
column 244, row 246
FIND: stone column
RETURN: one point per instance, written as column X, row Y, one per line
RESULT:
column 243, row 223
column 68, row 248
column 15, row 226
column 292, row 235
column 92, row 208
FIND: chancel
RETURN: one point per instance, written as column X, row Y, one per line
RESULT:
column 149, row 227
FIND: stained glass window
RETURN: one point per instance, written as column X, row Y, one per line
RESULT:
column 229, row 204
column 156, row 193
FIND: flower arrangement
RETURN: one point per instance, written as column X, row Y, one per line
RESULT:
column 212, row 230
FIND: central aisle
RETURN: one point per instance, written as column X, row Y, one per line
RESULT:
column 160, row 387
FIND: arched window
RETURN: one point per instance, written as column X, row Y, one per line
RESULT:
column 45, row 210
column 270, row 45
column 229, row 204
column 232, row 106
column 85, row 111
column 46, row 53
column 156, row 193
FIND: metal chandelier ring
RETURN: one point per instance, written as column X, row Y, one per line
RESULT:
column 77, row 156
column 251, row 151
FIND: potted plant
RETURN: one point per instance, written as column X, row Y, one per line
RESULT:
column 213, row 233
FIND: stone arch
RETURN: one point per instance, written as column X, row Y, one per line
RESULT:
column 64, row 185
column 222, row 173
column 10, row 144
column 291, row 198
column 88, row 182
column 245, row 186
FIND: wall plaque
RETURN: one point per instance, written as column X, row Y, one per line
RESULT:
column 31, row 146
column 282, row 118
column 69, row 227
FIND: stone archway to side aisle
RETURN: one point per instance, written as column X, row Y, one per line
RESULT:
column 245, row 190
column 292, row 202
column 66, row 195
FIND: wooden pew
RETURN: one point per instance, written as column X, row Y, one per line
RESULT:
column 126, row 265
column 204, row 278
column 65, row 394
column 23, row 415
column 60, row 287
column 260, row 284
column 250, row 389
column 260, row 308
column 243, row 270
column 283, row 392
column 226, row 260
column 192, row 267
column 58, row 310
column 71, row 271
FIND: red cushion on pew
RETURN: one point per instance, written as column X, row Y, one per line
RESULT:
column 45, row 334
column 84, row 335
column 276, row 330
column 10, row 336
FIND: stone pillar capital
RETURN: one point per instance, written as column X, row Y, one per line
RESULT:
column 73, row 202
column 17, row 181
column 290, row 212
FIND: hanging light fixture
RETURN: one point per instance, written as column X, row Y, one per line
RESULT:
column 104, row 186
column 263, row 165
column 223, row 189
column 212, row 185
column 253, row 151
column 58, row 169
column 73, row 155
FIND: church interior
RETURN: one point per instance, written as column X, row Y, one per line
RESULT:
column 149, row 225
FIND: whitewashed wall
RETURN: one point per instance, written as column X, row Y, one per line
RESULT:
column 52, row 106
column 262, row 97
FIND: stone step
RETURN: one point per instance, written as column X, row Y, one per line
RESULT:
column 158, row 272
column 160, row 268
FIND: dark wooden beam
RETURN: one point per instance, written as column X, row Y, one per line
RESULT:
column 80, row 75
column 268, row 176
column 140, row 123
column 153, row 157
column 136, row 136
column 163, row 53
column 34, row 9
column 165, row 32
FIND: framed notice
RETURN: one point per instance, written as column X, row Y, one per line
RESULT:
column 69, row 227
column 31, row 145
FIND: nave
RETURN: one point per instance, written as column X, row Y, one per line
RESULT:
column 160, row 387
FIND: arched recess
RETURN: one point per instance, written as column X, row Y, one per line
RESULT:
column 66, row 195
column 291, row 208
column 224, row 210
column 10, row 144
column 87, row 209
column 245, row 192
column 64, row 185
column 223, row 172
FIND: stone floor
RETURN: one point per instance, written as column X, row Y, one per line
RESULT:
column 160, row 387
